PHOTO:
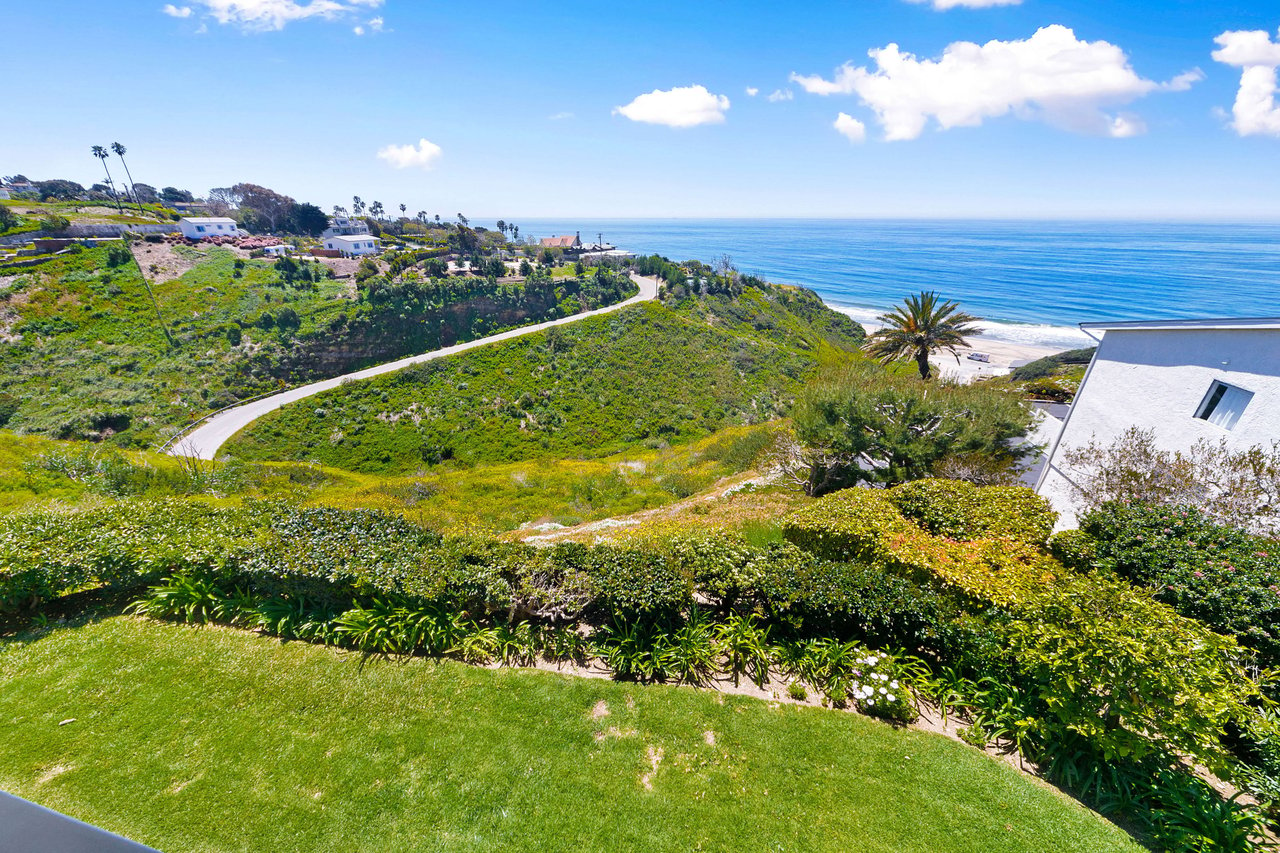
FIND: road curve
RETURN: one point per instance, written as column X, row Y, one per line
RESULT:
column 204, row 441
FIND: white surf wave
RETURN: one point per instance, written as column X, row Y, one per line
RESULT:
column 1025, row 334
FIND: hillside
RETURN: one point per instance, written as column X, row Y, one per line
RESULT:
column 83, row 355
column 648, row 376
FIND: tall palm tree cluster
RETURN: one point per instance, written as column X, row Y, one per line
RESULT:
column 130, row 193
column 919, row 327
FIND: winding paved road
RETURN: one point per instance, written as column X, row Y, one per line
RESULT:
column 206, row 439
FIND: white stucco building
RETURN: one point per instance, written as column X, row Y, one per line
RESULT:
column 200, row 227
column 345, row 226
column 1182, row 379
column 354, row 244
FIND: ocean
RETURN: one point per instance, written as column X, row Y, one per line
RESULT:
column 1031, row 282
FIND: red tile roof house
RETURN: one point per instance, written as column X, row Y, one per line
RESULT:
column 569, row 244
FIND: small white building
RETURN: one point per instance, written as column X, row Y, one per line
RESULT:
column 1184, row 380
column 201, row 227
column 276, row 251
column 353, row 245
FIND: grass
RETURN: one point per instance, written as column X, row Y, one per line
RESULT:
column 214, row 739
column 648, row 375
column 476, row 499
column 83, row 353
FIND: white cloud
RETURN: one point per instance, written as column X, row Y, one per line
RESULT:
column 423, row 155
column 176, row 11
column 269, row 15
column 376, row 24
column 358, row 30
column 781, row 95
column 752, row 91
column 1052, row 76
column 1255, row 111
column 560, row 116
column 850, row 128
column 683, row 106
column 944, row 5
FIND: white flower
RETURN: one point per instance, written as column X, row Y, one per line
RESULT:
column 883, row 691
column 891, row 698
column 893, row 684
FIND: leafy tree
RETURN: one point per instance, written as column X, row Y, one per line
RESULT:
column 8, row 219
column 274, row 208
column 307, row 218
column 146, row 193
column 548, row 258
column 223, row 200
column 59, row 188
column 172, row 195
column 526, row 268
column 462, row 220
column 465, row 239
column 864, row 425
column 579, row 269
column 919, row 327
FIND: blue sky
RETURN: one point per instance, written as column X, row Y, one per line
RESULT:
column 1055, row 109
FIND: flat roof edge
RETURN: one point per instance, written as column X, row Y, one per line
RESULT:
column 1208, row 323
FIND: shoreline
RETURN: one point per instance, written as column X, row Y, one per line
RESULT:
column 1008, row 345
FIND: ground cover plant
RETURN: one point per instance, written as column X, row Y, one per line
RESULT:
column 90, row 349
column 1105, row 687
column 649, row 375
column 426, row 755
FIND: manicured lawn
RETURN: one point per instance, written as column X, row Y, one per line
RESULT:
column 215, row 739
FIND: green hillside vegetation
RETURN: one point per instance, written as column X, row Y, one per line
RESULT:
column 1054, row 377
column 654, row 374
column 36, row 472
column 82, row 354
column 441, row 756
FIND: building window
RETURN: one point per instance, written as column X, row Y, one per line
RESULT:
column 1224, row 404
column 200, row 228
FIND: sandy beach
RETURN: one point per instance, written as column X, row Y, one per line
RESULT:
column 1003, row 354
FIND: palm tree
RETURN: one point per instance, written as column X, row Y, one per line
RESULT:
column 502, row 227
column 120, row 152
column 919, row 327
column 101, row 154
column 403, row 209
column 515, row 232
column 357, row 206
column 375, row 210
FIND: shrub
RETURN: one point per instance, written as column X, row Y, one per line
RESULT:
column 1075, row 549
column 1128, row 674
column 1220, row 575
column 55, row 222
column 961, row 510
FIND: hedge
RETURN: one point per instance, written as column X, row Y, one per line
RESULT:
column 960, row 510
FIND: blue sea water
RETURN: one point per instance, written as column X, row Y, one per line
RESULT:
column 1032, row 282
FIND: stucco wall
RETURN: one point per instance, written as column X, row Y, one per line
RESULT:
column 1156, row 379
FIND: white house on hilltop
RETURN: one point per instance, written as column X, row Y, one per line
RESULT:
column 345, row 226
column 1184, row 380
column 353, row 245
column 200, row 227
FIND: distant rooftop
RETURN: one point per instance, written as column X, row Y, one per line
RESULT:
column 207, row 219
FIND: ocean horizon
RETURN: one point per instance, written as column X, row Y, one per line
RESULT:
column 1032, row 281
